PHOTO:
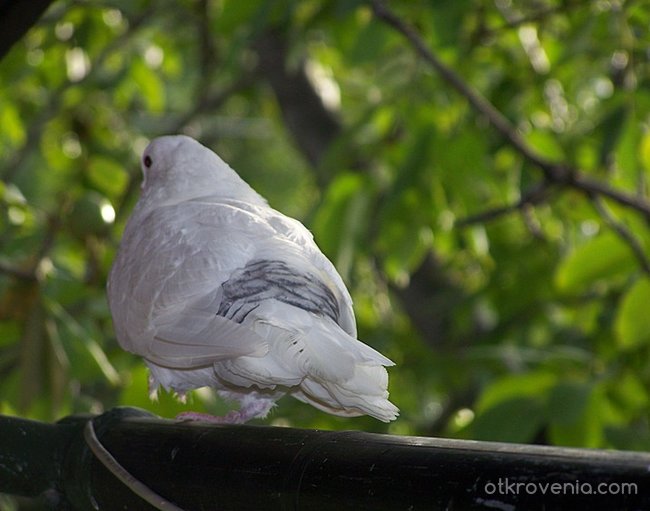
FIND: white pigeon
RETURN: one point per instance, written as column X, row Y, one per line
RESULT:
column 214, row 288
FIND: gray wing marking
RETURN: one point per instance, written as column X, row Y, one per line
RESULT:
column 264, row 279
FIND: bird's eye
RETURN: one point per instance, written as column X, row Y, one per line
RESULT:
column 147, row 161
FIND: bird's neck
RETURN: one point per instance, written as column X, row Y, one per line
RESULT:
column 165, row 196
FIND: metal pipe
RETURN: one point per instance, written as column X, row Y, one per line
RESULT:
column 200, row 466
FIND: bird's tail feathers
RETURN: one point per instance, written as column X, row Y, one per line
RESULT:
column 365, row 394
column 320, row 363
column 345, row 376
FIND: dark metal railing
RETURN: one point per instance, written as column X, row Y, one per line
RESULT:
column 195, row 466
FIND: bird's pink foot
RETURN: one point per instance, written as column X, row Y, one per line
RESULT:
column 250, row 409
column 230, row 418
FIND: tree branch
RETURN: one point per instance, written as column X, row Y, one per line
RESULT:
column 16, row 19
column 480, row 104
column 557, row 173
column 312, row 126
column 535, row 195
column 17, row 272
column 623, row 232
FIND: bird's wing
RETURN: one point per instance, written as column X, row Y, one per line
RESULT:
column 297, row 247
column 203, row 265
column 182, row 255
column 195, row 338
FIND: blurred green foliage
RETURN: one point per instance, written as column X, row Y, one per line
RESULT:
column 527, row 326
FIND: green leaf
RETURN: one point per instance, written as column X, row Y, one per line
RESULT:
column 368, row 45
column 514, row 420
column 629, row 393
column 462, row 167
column 567, row 402
column 107, row 175
column 516, row 386
column 405, row 233
column 612, row 128
column 644, row 151
column 149, row 85
column 624, row 157
column 634, row 437
column 332, row 214
column 405, row 236
column 234, row 14
column 632, row 325
column 12, row 125
column 9, row 332
column 602, row 257
column 545, row 144
column 90, row 344
column 583, row 427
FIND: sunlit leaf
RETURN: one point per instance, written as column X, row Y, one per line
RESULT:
column 628, row 392
column 331, row 218
column 605, row 256
column 516, row 386
column 12, row 125
column 633, row 322
column 90, row 344
column 108, row 175
column 546, row 144
column 644, row 151
column 149, row 85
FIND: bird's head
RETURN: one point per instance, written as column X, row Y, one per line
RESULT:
column 177, row 166
column 175, row 160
